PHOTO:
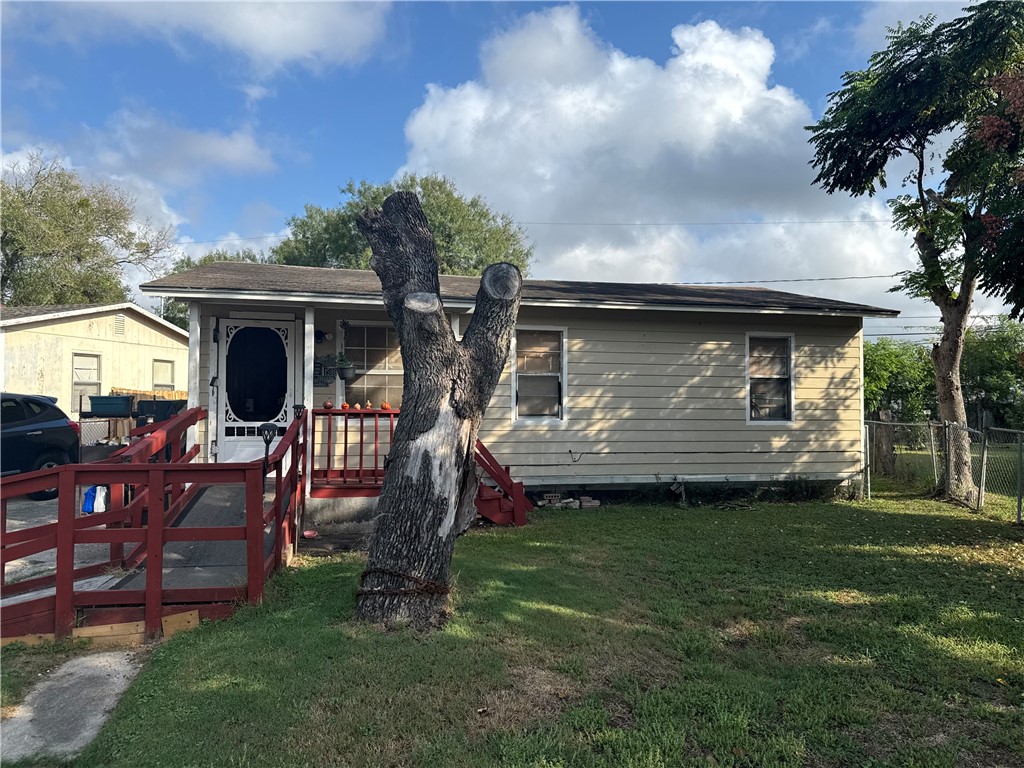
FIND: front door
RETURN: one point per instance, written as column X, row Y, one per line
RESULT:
column 256, row 365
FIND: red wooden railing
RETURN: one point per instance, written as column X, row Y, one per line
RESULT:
column 151, row 484
column 349, row 448
column 347, row 459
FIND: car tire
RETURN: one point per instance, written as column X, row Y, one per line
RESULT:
column 45, row 461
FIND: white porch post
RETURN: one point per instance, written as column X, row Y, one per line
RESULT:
column 194, row 333
column 307, row 388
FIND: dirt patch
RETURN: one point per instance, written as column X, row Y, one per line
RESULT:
column 534, row 694
column 891, row 732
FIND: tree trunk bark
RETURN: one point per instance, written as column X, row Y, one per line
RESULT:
column 430, row 481
column 946, row 356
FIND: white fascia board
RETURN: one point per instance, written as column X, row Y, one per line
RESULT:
column 126, row 306
column 336, row 299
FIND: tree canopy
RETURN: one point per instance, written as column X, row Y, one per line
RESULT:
column 993, row 372
column 963, row 78
column 469, row 235
column 898, row 378
column 66, row 241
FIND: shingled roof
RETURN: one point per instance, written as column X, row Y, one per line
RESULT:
column 277, row 281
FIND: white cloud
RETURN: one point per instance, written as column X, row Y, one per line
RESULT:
column 583, row 143
column 141, row 142
column 315, row 35
column 870, row 34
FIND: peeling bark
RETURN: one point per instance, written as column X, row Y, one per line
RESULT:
column 430, row 483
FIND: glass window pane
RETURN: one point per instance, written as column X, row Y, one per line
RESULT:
column 769, row 357
column 376, row 337
column 356, row 356
column 11, row 412
column 539, row 341
column 769, row 400
column 538, row 396
column 375, row 358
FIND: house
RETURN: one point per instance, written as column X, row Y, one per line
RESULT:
column 73, row 351
column 607, row 383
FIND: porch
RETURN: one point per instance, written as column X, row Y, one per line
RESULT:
column 348, row 452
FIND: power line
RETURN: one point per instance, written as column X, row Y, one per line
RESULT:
column 695, row 223
column 795, row 280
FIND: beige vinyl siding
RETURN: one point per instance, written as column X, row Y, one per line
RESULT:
column 663, row 395
column 654, row 396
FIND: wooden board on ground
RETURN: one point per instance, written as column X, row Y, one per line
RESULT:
column 128, row 633
column 180, row 622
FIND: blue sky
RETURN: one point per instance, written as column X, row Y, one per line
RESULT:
column 635, row 141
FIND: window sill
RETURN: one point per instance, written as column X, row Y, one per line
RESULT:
column 538, row 421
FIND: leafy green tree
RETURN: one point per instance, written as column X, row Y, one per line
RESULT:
column 174, row 311
column 934, row 81
column 993, row 372
column 468, row 234
column 65, row 241
column 898, row 377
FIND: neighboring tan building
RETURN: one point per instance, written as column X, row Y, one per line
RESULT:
column 607, row 383
column 73, row 351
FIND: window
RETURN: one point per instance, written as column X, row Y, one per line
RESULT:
column 374, row 351
column 163, row 374
column 11, row 412
column 537, row 374
column 770, row 371
column 85, row 380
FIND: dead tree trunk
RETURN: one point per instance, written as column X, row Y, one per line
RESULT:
column 430, row 482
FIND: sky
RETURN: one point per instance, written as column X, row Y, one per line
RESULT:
column 633, row 141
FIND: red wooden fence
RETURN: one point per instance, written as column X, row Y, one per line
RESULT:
column 151, row 483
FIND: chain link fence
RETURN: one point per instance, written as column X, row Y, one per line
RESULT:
column 971, row 466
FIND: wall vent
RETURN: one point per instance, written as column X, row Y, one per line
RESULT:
column 119, row 325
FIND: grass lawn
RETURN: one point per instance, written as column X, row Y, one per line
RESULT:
column 888, row 632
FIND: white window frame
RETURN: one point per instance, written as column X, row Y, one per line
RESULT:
column 98, row 383
column 164, row 386
column 792, row 379
column 561, row 420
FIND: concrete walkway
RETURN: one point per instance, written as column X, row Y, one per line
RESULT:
column 64, row 712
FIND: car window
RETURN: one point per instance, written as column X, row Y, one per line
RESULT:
column 33, row 408
column 11, row 412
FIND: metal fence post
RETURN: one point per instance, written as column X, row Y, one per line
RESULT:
column 866, row 482
column 935, row 460
column 947, row 460
column 1020, row 475
column 984, row 466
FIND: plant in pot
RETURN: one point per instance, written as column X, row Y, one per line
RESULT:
column 346, row 371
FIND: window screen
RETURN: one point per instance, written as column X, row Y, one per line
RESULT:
column 770, row 369
column 163, row 374
column 85, row 380
column 538, row 374
column 375, row 353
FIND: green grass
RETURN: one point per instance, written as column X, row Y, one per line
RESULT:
column 888, row 632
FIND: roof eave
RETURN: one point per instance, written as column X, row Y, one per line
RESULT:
column 122, row 307
column 457, row 303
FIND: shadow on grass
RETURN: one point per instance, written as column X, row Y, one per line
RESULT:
column 829, row 633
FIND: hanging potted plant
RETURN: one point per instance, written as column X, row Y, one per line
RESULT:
column 346, row 371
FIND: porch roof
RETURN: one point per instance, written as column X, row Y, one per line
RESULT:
column 277, row 283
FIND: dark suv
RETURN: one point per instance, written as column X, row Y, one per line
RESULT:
column 35, row 434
